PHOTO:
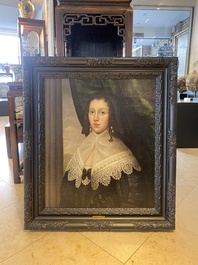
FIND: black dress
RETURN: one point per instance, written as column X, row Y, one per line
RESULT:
column 115, row 181
column 110, row 196
column 129, row 191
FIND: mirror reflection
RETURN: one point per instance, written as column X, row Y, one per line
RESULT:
column 161, row 32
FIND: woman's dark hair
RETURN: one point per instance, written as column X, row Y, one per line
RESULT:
column 115, row 128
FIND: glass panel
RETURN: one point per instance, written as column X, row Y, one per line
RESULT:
column 181, row 51
column 155, row 32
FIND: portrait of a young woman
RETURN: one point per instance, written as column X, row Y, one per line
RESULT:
column 103, row 155
column 102, row 169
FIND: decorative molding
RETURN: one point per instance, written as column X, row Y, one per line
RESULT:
column 95, row 2
column 100, row 212
column 70, row 20
column 172, row 144
column 158, row 147
column 101, row 61
column 27, row 147
column 171, row 198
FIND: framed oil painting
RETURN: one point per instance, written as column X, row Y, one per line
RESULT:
column 100, row 143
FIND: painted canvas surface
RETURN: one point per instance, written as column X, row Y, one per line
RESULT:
column 137, row 102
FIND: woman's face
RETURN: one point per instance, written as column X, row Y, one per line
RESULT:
column 98, row 115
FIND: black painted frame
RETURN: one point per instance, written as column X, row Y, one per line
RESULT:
column 158, row 218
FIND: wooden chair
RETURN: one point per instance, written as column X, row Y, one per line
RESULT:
column 14, row 133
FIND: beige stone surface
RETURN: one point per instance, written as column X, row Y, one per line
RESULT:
column 21, row 247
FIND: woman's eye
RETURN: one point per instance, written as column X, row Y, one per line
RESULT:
column 101, row 112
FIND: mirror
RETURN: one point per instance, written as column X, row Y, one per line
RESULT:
column 162, row 32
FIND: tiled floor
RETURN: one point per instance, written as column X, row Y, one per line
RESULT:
column 26, row 248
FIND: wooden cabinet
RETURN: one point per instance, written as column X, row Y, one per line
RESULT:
column 187, row 125
column 93, row 28
column 15, row 86
column 32, row 37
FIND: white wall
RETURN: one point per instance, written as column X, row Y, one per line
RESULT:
column 8, row 18
column 194, row 42
column 149, row 32
column 164, row 3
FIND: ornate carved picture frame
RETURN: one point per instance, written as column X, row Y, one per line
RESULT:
column 100, row 143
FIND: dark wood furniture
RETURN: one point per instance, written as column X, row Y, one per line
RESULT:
column 15, row 85
column 4, row 78
column 14, row 129
column 8, row 140
column 187, row 125
column 3, row 107
column 32, row 35
column 15, row 133
column 94, row 28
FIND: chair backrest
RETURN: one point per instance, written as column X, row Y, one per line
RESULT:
column 15, row 106
column 16, row 129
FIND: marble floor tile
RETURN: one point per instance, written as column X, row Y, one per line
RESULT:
column 187, row 173
column 187, row 212
column 62, row 248
column 12, row 236
column 119, row 245
column 171, row 248
column 9, row 195
column 184, row 188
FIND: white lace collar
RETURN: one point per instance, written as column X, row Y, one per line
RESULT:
column 110, row 159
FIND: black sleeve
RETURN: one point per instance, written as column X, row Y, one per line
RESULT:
column 122, row 187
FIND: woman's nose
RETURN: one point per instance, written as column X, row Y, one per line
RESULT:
column 96, row 117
